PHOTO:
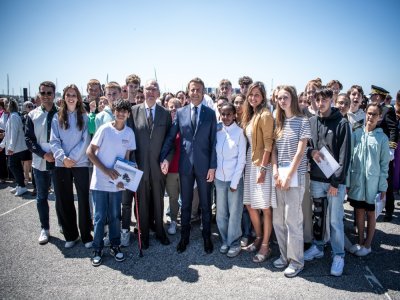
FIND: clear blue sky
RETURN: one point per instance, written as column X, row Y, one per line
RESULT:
column 287, row 41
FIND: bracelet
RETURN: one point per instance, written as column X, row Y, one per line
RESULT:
column 263, row 169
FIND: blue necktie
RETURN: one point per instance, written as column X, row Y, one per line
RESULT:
column 194, row 119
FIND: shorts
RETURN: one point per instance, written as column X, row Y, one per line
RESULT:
column 362, row 205
column 26, row 155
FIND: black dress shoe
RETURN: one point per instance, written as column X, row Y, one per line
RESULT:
column 164, row 241
column 145, row 243
column 388, row 218
column 182, row 245
column 208, row 246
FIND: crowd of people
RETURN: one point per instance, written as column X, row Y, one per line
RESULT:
column 260, row 163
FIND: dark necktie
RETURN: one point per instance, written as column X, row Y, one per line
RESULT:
column 150, row 118
column 194, row 119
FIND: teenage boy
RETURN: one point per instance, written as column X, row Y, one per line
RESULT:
column 330, row 130
column 111, row 140
column 93, row 88
column 132, row 83
column 225, row 89
column 37, row 137
column 113, row 93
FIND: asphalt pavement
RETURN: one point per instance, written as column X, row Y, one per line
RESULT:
column 31, row 271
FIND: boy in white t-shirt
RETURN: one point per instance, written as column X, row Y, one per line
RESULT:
column 110, row 141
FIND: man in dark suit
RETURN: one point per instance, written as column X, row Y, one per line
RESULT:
column 388, row 123
column 151, row 123
column 197, row 126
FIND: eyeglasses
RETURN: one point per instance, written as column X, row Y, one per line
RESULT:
column 71, row 95
column 46, row 93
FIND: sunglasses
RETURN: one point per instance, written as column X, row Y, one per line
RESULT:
column 46, row 93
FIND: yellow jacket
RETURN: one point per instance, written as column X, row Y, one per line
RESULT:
column 262, row 135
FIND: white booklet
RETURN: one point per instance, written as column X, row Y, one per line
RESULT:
column 283, row 173
column 129, row 175
column 328, row 165
column 379, row 205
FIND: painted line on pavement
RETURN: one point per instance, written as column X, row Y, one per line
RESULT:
column 16, row 208
column 375, row 284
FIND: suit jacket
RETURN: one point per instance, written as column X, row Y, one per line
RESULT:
column 149, row 140
column 388, row 123
column 197, row 148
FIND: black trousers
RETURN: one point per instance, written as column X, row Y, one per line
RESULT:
column 64, row 180
column 15, row 165
column 127, row 199
column 150, row 200
column 389, row 207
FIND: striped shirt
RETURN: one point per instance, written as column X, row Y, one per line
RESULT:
column 294, row 129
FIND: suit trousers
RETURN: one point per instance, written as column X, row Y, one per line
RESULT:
column 127, row 199
column 64, row 180
column 389, row 207
column 150, row 195
column 204, row 189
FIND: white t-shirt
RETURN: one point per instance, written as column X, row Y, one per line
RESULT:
column 112, row 143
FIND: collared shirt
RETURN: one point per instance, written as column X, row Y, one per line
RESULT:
column 198, row 111
column 153, row 110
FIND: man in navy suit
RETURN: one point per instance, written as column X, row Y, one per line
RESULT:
column 197, row 127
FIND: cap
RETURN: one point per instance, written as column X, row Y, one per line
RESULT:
column 378, row 90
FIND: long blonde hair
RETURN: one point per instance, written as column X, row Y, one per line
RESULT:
column 280, row 113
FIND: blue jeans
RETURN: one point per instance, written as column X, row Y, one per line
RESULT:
column 43, row 180
column 107, row 209
column 229, row 212
column 336, row 212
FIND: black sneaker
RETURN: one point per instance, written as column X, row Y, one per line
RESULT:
column 96, row 258
column 116, row 252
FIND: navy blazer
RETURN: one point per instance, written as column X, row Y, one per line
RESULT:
column 197, row 148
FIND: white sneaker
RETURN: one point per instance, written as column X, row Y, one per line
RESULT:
column 292, row 271
column 280, row 263
column 244, row 242
column 106, row 240
column 125, row 235
column 224, row 249
column 172, row 228
column 20, row 191
column 313, row 252
column 70, row 244
column 354, row 248
column 88, row 245
column 234, row 251
column 13, row 190
column 44, row 237
column 337, row 266
column 363, row 251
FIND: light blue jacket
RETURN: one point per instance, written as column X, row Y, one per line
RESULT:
column 70, row 142
column 14, row 138
column 369, row 164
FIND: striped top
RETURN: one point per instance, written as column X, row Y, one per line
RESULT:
column 294, row 129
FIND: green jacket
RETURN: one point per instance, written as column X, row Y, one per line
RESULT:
column 369, row 164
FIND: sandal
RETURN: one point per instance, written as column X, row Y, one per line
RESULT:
column 260, row 256
column 255, row 246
